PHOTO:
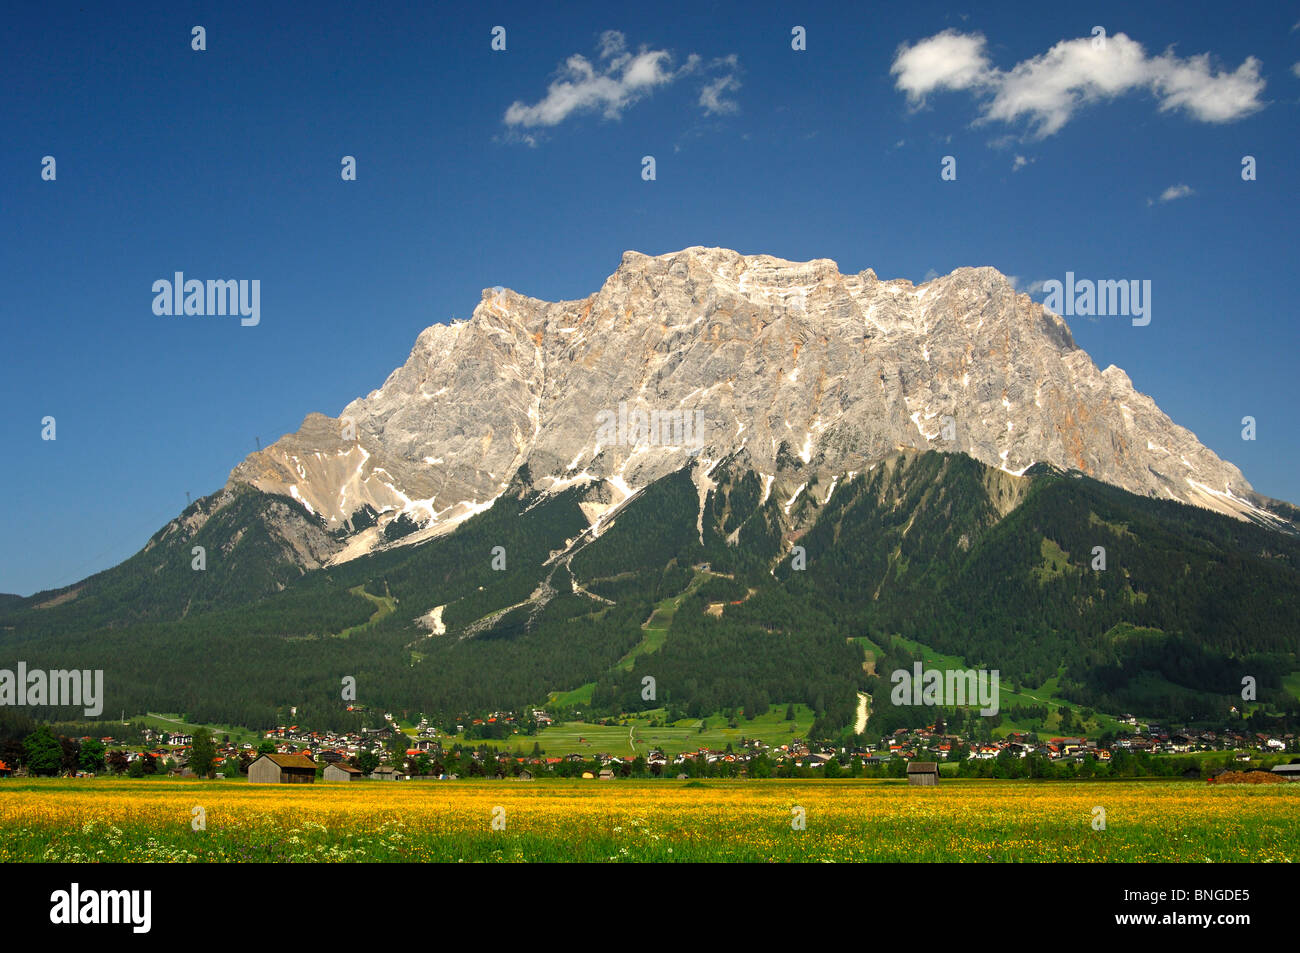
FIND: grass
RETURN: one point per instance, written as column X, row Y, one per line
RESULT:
column 657, row 821
column 384, row 606
column 656, row 633
column 870, row 652
column 1119, row 529
column 166, row 721
column 1056, row 562
column 1045, row 694
column 634, row 735
column 572, row 699
column 656, row 627
column 1291, row 684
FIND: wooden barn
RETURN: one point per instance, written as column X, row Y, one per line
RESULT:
column 924, row 773
column 282, row 769
column 341, row 772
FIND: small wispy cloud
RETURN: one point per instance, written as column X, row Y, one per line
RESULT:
column 1019, row 163
column 712, row 96
column 1047, row 90
column 618, row 79
column 610, row 85
column 1295, row 68
column 1172, row 193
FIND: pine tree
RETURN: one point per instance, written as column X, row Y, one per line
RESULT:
column 203, row 753
column 44, row 753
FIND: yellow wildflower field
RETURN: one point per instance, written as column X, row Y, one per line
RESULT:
column 105, row 820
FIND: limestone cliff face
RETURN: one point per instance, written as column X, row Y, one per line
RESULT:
column 686, row 358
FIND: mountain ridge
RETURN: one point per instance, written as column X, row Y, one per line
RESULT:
column 931, row 548
column 807, row 369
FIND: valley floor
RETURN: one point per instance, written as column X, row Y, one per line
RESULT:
column 104, row 820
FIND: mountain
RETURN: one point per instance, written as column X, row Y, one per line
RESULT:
column 992, row 568
column 811, row 372
column 920, row 550
column 494, row 527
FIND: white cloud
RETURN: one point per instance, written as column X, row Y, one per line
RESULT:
column 947, row 60
column 1179, row 191
column 612, row 43
column 1047, row 89
column 1019, row 163
column 1295, row 68
column 711, row 96
column 618, row 79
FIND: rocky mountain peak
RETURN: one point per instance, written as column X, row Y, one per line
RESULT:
column 686, row 358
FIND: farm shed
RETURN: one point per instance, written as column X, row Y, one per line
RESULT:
column 925, row 773
column 282, row 769
column 341, row 772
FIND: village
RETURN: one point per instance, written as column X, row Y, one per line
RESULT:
column 296, row 754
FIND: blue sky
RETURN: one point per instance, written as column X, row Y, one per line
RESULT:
column 226, row 164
